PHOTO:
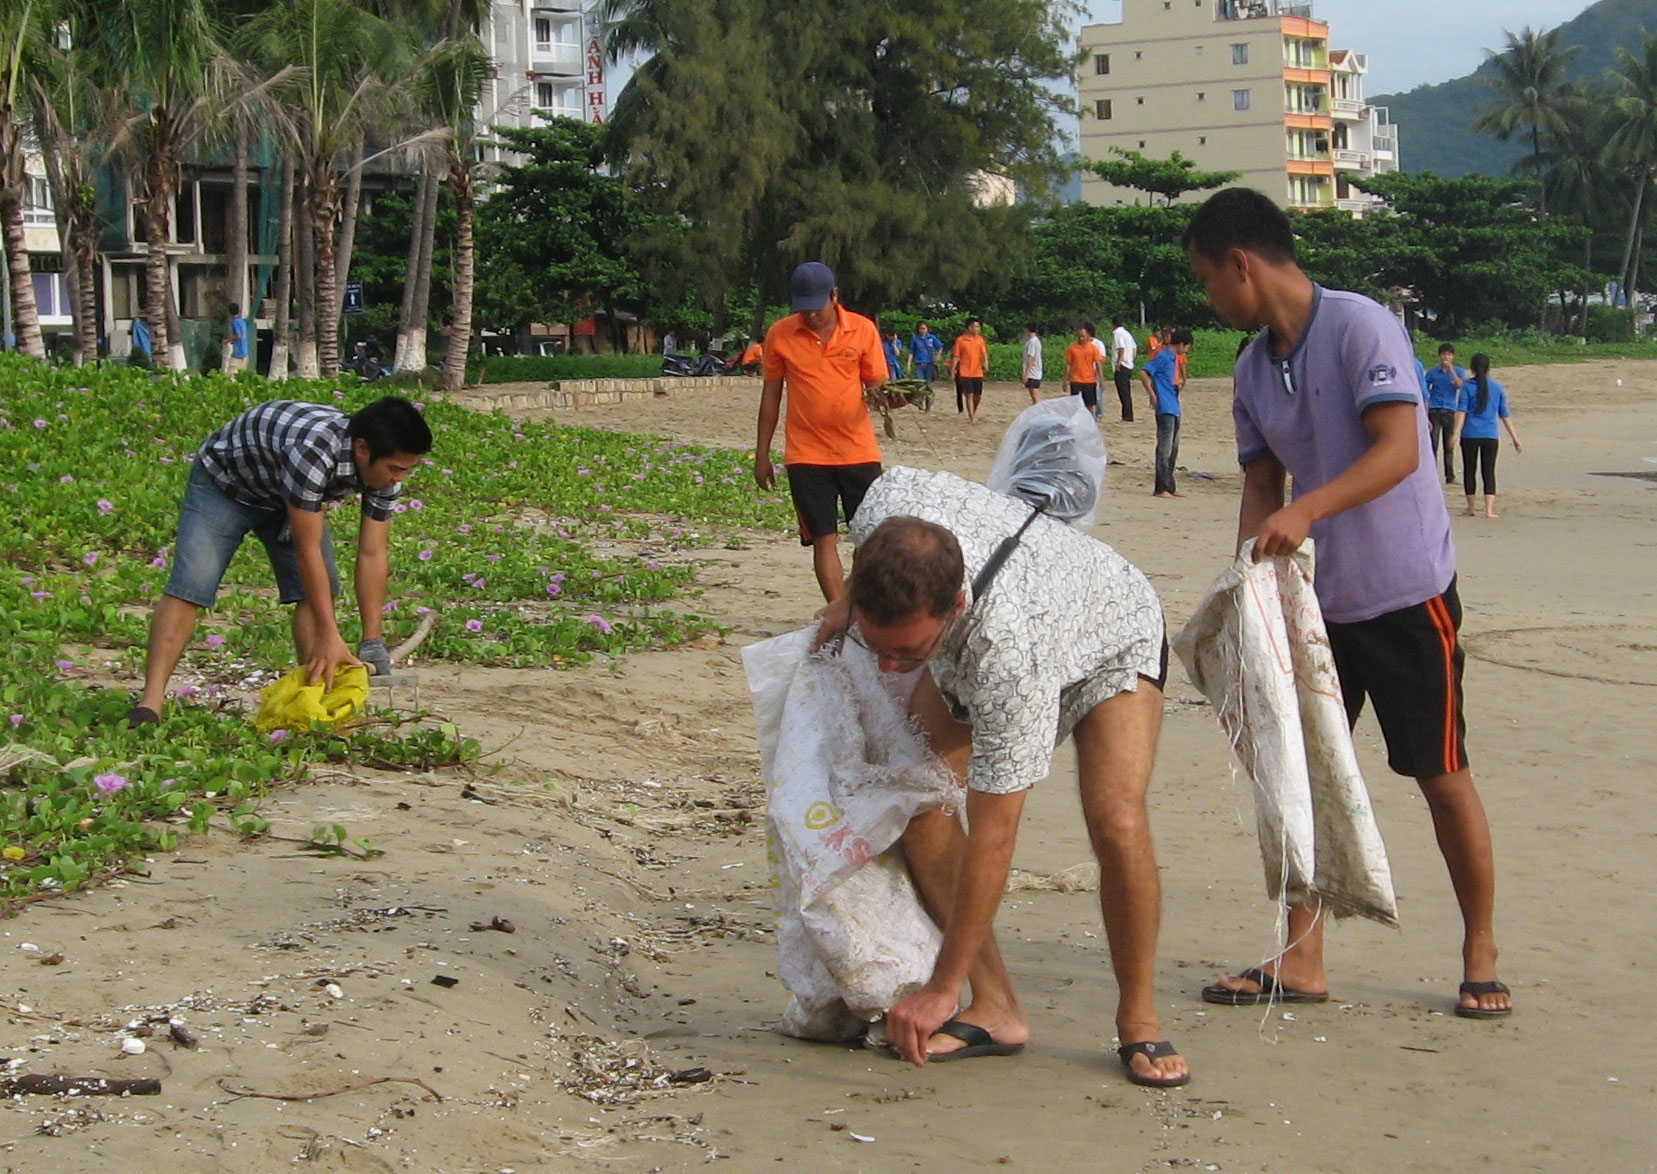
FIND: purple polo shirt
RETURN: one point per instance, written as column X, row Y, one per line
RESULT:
column 1307, row 411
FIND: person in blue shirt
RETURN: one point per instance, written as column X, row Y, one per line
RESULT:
column 893, row 346
column 924, row 348
column 237, row 359
column 1483, row 401
column 141, row 343
column 1160, row 375
column 1441, row 391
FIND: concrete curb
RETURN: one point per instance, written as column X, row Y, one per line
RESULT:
column 586, row 393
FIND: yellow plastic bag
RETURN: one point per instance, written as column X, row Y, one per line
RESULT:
column 291, row 704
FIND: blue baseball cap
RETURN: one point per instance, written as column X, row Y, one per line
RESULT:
column 811, row 285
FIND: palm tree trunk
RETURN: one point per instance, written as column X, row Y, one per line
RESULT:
column 283, row 294
column 175, row 328
column 460, row 324
column 155, row 211
column 1536, row 170
column 1633, row 225
column 405, row 318
column 324, row 212
column 304, row 227
column 1634, row 271
column 235, row 231
column 83, row 335
column 25, row 314
column 420, row 315
column 348, row 226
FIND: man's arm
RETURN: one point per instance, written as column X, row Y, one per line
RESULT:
column 770, row 407
column 373, row 572
column 992, row 831
column 329, row 652
column 1264, row 479
column 1392, row 455
column 1150, row 388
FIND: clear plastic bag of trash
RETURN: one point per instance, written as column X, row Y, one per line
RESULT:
column 1053, row 455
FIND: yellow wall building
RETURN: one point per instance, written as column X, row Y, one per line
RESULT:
column 1233, row 85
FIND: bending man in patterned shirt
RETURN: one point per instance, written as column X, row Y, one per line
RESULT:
column 1067, row 637
column 270, row 472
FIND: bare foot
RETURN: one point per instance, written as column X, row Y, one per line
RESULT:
column 1307, row 983
column 1165, row 494
column 1491, row 514
column 1169, row 1069
column 1471, row 513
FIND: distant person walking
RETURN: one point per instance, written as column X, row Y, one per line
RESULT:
column 1443, row 398
column 969, row 362
column 236, row 360
column 1483, row 402
column 893, row 348
column 924, row 348
column 1161, row 378
column 1082, row 367
column 1032, row 361
column 1123, row 348
column 670, row 345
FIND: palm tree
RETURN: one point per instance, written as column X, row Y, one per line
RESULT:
column 1576, row 177
column 343, row 56
column 1530, row 79
column 24, row 33
column 449, row 84
column 1634, row 143
column 166, row 57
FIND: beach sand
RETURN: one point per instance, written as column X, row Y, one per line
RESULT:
column 626, row 1023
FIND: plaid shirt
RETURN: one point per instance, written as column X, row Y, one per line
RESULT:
column 288, row 453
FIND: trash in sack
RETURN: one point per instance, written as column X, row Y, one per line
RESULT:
column 1258, row 650
column 1053, row 456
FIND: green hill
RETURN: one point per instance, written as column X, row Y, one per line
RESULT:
column 1434, row 121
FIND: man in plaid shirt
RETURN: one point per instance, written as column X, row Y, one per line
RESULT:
column 270, row 472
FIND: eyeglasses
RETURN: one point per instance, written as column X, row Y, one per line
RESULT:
column 905, row 663
column 1287, row 372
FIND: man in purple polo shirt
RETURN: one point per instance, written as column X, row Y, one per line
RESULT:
column 1327, row 394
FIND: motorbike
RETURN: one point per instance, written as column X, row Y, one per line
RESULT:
column 709, row 362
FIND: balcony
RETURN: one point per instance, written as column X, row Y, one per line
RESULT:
column 1348, row 108
column 556, row 57
column 1354, row 205
column 1258, row 9
column 563, row 110
column 1353, row 160
column 562, row 7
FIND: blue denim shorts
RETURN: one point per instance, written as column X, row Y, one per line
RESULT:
column 211, row 526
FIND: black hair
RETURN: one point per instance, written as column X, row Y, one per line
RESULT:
column 1032, row 328
column 1446, row 346
column 1240, row 218
column 1181, row 336
column 389, row 426
column 907, row 567
column 1481, row 372
column 1118, row 321
column 970, row 321
column 1088, row 326
column 234, row 309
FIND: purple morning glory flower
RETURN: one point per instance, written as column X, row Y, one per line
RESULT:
column 215, row 641
column 90, row 558
column 110, row 783
column 278, row 736
column 425, row 556
column 600, row 623
column 474, row 625
column 105, row 506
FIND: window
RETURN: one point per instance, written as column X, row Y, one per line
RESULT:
column 1139, row 101
column 1139, row 55
column 1199, row 49
column 1101, row 64
column 37, row 202
column 1101, row 109
column 543, row 33
column 1239, row 99
column 1141, row 144
column 1201, row 96
column 1240, row 53
column 1202, row 140
column 546, row 95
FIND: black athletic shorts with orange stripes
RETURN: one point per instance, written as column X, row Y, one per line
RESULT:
column 1409, row 663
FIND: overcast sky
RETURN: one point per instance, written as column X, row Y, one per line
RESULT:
column 1414, row 41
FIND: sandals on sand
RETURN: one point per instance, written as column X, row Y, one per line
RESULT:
column 978, row 1043
column 1475, row 989
column 1151, row 1050
column 1271, row 991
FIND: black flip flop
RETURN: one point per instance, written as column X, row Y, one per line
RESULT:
column 1475, row 989
column 142, row 715
column 1271, row 991
column 978, row 1043
column 1151, row 1050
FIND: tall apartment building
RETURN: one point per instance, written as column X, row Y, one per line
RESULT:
column 541, row 66
column 1234, row 85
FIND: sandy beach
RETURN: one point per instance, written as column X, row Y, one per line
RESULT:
column 625, row 1021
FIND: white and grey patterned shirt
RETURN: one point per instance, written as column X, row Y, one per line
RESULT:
column 1066, row 624
column 287, row 452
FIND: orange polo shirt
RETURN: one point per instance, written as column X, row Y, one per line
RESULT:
column 1179, row 369
column 753, row 354
column 972, row 356
column 827, row 422
column 1079, row 362
column 1153, row 344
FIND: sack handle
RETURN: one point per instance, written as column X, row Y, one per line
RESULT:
column 982, row 580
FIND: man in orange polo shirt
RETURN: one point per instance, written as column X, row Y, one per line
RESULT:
column 1081, row 368
column 828, row 358
column 969, row 362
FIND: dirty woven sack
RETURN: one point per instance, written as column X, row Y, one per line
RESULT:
column 1258, row 650
column 291, row 704
column 844, row 774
